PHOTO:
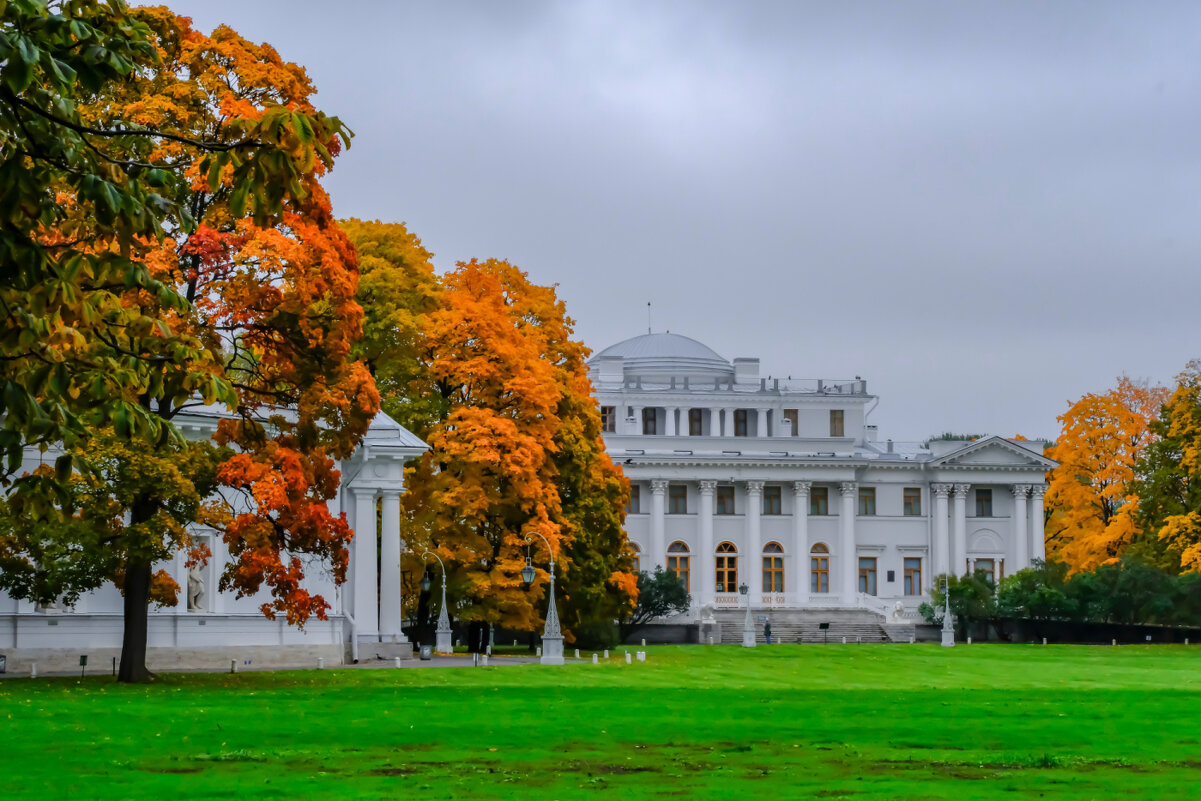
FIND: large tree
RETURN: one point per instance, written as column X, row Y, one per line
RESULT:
column 1090, row 499
column 268, row 314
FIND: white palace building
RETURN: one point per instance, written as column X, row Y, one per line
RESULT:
column 782, row 484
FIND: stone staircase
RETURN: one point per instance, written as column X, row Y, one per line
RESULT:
column 804, row 626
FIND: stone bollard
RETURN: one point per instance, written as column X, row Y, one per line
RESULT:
column 644, row 642
column 969, row 640
column 488, row 650
column 483, row 660
column 457, row 643
column 595, row 660
column 1044, row 640
column 514, row 643
column 396, row 662
column 33, row 670
column 233, row 666
column 642, row 656
column 628, row 661
column 844, row 640
column 912, row 639
column 606, row 653
column 577, row 653
column 1115, row 642
column 320, row 662
column 539, row 650
column 710, row 639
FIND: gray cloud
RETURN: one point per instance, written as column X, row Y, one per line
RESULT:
column 986, row 209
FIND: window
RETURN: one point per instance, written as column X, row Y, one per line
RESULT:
column 677, row 562
column 913, row 576
column 726, row 574
column 867, row 500
column 694, row 422
column 773, row 567
column 988, row 567
column 649, row 422
column 983, row 503
column 913, row 502
column 788, row 427
column 725, row 500
column 677, row 499
column 819, row 569
column 867, row 575
column 609, row 419
column 740, row 422
column 635, row 505
column 637, row 558
column 819, row 501
column 836, row 423
column 771, row 501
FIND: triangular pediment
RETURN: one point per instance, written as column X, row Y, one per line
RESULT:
column 994, row 452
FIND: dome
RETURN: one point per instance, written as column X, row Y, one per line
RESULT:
column 667, row 356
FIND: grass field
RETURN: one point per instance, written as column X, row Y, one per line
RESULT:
column 783, row 722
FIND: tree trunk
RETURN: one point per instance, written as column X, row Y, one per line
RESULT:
column 137, row 604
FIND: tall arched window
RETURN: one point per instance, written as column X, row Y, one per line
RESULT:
column 819, row 569
column 773, row 567
column 677, row 562
column 727, row 568
column 637, row 557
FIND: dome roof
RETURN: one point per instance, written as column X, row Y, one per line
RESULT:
column 667, row 355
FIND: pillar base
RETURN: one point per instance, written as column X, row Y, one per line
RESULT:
column 948, row 639
column 443, row 642
column 552, row 651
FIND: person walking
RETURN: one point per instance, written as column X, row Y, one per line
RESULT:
column 767, row 631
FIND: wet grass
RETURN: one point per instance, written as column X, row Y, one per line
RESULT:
column 856, row 722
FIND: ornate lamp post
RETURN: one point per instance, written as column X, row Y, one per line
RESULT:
column 948, row 627
column 748, row 627
column 552, row 637
column 443, row 644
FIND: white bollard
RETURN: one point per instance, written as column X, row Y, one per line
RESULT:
column 710, row 639
column 488, row 650
column 320, row 662
column 577, row 653
column 233, row 666
column 642, row 656
column 539, row 649
column 628, row 661
column 483, row 660
column 33, row 670
column 595, row 660
column 644, row 642
column 1115, row 642
column 606, row 653
column 514, row 643
column 844, row 640
column 911, row 639
column 457, row 643
column 396, row 662
column 969, row 640
column 1044, row 640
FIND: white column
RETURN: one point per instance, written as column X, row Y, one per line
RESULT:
column 754, row 547
column 658, row 523
column 1038, row 540
column 761, row 423
column 365, row 605
column 800, row 536
column 669, row 428
column 715, row 422
column 685, row 424
column 848, row 556
column 637, row 427
column 389, row 568
column 1021, row 537
column 706, row 573
column 729, row 430
column 959, row 529
column 942, row 544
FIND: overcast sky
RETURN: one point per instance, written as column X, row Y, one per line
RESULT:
column 985, row 209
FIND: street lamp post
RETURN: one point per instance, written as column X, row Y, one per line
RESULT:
column 552, row 637
column 443, row 643
column 948, row 627
column 748, row 627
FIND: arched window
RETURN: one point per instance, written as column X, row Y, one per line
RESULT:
column 726, row 574
column 773, row 567
column 819, row 569
column 637, row 557
column 677, row 562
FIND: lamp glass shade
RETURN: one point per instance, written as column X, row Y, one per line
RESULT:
column 528, row 573
column 743, row 588
column 425, row 583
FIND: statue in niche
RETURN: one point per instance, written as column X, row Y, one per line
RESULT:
column 195, row 588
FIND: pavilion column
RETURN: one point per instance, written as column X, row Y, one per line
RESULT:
column 707, row 574
column 685, row 429
column 959, row 564
column 729, row 431
column 365, row 601
column 715, row 422
column 754, row 548
column 846, row 546
column 669, row 428
column 761, row 423
column 658, row 523
column 942, row 543
column 637, row 427
column 389, row 566
column 1038, row 540
column 1021, row 537
column 800, row 531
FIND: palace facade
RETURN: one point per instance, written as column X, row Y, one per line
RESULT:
column 784, row 486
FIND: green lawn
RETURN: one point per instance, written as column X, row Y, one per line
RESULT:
column 784, row 722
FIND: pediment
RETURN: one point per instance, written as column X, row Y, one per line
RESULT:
column 994, row 452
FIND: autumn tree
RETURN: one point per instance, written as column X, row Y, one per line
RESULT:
column 1169, row 489
column 267, row 318
column 1090, row 500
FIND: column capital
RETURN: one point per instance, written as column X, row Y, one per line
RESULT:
column 848, row 488
column 802, row 487
column 1020, row 490
column 658, row 486
column 707, row 486
column 1037, row 490
column 754, row 487
column 941, row 490
column 364, row 492
column 961, row 490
